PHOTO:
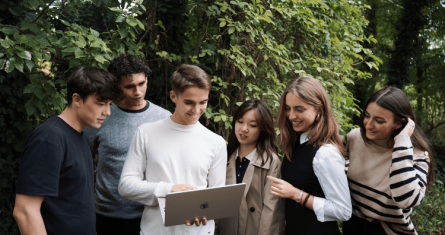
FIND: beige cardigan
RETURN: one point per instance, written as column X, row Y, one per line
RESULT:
column 260, row 211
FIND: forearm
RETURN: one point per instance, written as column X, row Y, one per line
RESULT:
column 406, row 178
column 141, row 191
column 30, row 222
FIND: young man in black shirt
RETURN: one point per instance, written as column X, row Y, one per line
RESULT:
column 55, row 185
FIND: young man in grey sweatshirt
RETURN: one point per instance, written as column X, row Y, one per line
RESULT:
column 114, row 214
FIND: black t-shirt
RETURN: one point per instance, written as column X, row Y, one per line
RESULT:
column 57, row 163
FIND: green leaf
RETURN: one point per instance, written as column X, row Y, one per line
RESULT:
column 78, row 53
column 231, row 30
column 132, row 22
column 30, row 110
column 66, row 23
column 116, row 9
column 62, row 41
column 43, row 42
column 123, row 32
column 34, row 28
column 19, row 66
column 140, row 24
column 34, row 3
column 47, row 56
column 29, row 89
column 120, row 19
column 30, row 64
column 7, row 42
column 99, row 57
column 9, row 30
column 96, row 43
column 69, row 49
column 10, row 65
column 81, row 42
column 222, row 24
column 39, row 93
column 24, row 55
column 94, row 32
column 217, row 118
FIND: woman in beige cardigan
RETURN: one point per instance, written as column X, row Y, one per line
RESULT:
column 251, row 158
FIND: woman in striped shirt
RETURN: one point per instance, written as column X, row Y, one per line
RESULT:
column 390, row 166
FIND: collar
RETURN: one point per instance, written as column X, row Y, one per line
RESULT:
column 303, row 137
column 168, row 121
column 250, row 156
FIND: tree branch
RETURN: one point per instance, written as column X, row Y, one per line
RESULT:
column 43, row 11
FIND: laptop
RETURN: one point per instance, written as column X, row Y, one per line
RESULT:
column 213, row 203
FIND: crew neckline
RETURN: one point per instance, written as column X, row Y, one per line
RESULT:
column 169, row 122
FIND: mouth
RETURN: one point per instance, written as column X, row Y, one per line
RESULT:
column 193, row 115
column 101, row 120
column 243, row 137
column 295, row 123
column 371, row 132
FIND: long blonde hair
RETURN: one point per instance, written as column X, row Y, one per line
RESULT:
column 324, row 131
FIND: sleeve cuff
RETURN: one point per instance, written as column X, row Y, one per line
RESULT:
column 402, row 140
column 162, row 189
column 318, row 206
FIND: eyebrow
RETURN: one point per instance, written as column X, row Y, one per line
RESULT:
column 375, row 116
column 194, row 101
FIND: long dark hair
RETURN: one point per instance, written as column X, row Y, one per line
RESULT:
column 323, row 131
column 394, row 100
column 266, row 141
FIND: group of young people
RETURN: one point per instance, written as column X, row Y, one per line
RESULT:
column 371, row 179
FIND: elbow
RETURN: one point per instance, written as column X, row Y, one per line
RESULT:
column 19, row 214
column 347, row 213
column 122, row 189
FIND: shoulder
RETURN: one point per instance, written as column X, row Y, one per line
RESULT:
column 420, row 154
column 276, row 161
column 328, row 154
column 151, row 126
column 158, row 109
column 353, row 135
column 212, row 136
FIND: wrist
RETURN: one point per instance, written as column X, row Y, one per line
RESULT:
column 297, row 195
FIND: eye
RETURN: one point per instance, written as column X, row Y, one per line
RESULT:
column 378, row 121
column 287, row 107
column 253, row 126
column 239, row 121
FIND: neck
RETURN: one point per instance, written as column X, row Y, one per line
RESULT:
column 69, row 115
column 175, row 117
column 123, row 105
column 245, row 150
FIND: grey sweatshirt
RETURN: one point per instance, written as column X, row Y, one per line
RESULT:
column 112, row 141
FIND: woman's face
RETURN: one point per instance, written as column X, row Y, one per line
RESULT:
column 300, row 114
column 379, row 122
column 246, row 128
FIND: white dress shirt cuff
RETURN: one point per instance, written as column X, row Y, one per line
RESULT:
column 318, row 206
column 162, row 189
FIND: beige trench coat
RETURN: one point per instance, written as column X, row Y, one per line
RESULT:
column 261, row 213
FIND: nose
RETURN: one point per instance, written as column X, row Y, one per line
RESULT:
column 244, row 128
column 292, row 115
column 368, row 124
column 138, row 91
column 107, row 111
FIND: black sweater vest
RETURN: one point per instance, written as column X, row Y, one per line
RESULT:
column 300, row 173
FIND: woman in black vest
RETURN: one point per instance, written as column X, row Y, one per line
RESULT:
column 313, row 177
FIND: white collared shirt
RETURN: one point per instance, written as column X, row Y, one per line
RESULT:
column 248, row 157
column 329, row 167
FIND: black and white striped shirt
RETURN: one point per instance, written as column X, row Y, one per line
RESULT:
column 386, row 184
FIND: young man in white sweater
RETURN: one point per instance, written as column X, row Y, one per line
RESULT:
column 175, row 154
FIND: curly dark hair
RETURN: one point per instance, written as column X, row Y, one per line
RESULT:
column 126, row 65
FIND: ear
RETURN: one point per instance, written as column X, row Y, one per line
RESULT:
column 77, row 100
column 173, row 96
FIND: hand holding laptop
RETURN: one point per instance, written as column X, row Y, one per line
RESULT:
column 182, row 187
column 188, row 187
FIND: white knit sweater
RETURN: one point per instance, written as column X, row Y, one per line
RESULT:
column 164, row 153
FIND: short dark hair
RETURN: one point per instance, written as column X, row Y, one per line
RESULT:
column 125, row 65
column 87, row 81
column 187, row 76
column 396, row 101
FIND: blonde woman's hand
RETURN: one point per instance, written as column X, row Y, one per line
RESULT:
column 409, row 128
column 282, row 188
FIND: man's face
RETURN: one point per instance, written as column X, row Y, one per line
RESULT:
column 92, row 112
column 190, row 105
column 134, row 88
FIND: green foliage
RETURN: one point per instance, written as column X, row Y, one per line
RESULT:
column 251, row 49
column 429, row 216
